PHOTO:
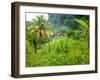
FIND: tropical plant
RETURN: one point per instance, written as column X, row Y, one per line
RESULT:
column 68, row 44
column 83, row 26
column 40, row 31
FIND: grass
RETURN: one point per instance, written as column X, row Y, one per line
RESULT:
column 60, row 51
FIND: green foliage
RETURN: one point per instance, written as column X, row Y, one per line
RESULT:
column 82, row 30
column 45, row 48
column 83, row 27
column 62, row 51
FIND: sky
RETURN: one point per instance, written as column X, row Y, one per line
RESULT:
column 30, row 16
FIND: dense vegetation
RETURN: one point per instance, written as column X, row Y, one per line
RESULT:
column 53, row 43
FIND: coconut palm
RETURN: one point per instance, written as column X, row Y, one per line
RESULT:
column 40, row 31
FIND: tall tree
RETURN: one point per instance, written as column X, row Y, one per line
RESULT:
column 40, row 31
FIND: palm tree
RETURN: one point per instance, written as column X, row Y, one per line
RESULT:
column 40, row 31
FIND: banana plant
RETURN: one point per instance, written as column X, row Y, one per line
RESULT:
column 84, row 27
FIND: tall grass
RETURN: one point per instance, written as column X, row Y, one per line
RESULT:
column 60, row 51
